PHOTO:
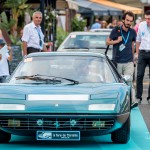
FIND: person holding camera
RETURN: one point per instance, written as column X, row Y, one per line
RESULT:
column 123, row 39
column 4, row 58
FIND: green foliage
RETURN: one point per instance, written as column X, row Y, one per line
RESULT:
column 5, row 24
column 78, row 24
column 48, row 17
column 18, row 8
column 61, row 35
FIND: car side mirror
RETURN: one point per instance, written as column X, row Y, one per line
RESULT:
column 127, row 79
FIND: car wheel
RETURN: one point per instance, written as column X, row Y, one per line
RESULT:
column 122, row 135
column 4, row 137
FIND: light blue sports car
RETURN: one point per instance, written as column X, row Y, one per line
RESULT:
column 65, row 96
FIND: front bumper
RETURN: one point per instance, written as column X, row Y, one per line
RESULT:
column 87, row 124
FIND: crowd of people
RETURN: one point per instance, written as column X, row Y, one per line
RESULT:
column 123, row 37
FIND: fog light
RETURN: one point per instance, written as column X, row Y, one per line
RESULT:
column 73, row 123
column 13, row 123
column 39, row 122
column 98, row 124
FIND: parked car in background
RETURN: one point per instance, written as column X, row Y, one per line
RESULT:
column 65, row 96
column 101, row 30
column 86, row 41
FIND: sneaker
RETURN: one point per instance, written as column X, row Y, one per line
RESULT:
column 139, row 100
column 134, row 104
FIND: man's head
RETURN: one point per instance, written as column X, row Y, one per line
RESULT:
column 37, row 18
column 147, row 17
column 127, row 19
column 2, row 43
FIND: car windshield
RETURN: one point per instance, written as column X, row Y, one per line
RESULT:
column 63, row 70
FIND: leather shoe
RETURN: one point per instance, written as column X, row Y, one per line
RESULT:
column 134, row 104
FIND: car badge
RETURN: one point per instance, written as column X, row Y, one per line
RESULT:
column 56, row 124
column 56, row 105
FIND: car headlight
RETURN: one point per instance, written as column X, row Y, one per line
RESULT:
column 12, row 107
column 101, row 107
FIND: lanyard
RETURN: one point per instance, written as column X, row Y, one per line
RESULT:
column 125, row 40
column 148, row 28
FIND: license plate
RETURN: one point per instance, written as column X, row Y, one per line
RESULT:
column 58, row 135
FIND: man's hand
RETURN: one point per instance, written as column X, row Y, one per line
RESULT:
column 10, row 53
column 119, row 39
column 135, row 58
column 9, row 48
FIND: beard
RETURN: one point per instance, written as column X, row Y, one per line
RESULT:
column 127, row 25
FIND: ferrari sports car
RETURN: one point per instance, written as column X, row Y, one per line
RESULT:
column 65, row 96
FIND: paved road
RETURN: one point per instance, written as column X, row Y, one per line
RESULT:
column 145, row 107
column 140, row 140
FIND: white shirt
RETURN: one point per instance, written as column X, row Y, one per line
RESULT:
column 31, row 35
column 143, row 36
column 4, row 69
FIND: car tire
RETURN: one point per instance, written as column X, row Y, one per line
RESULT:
column 4, row 137
column 122, row 135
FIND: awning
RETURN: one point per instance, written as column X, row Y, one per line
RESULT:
column 72, row 5
column 83, row 10
column 98, row 9
column 64, row 4
column 118, row 6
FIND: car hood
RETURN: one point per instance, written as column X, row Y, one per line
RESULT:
column 64, row 98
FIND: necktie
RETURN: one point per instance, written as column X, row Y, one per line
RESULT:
column 40, row 40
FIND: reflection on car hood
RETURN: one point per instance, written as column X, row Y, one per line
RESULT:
column 97, row 93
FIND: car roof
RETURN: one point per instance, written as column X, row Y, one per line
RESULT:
column 46, row 54
column 89, row 33
column 101, row 30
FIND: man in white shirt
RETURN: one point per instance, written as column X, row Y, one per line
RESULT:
column 143, row 54
column 33, row 38
column 4, row 58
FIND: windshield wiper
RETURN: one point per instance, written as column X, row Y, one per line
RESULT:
column 71, row 80
column 48, row 79
column 38, row 78
column 70, row 48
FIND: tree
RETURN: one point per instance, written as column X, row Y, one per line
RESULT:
column 18, row 8
column 5, row 24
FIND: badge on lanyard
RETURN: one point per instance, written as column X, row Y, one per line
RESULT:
column 121, row 47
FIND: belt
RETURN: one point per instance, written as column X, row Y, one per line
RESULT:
column 32, row 50
column 146, row 51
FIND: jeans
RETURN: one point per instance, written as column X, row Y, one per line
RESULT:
column 143, row 61
column 3, row 79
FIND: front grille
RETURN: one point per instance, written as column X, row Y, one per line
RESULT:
column 76, row 123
